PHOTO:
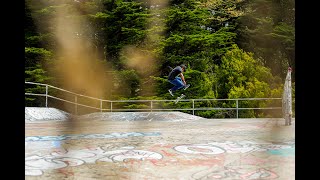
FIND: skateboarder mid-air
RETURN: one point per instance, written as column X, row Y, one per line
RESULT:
column 178, row 82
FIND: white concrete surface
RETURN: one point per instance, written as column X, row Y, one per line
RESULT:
column 44, row 114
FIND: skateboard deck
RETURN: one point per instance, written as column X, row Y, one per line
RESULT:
column 179, row 98
column 186, row 87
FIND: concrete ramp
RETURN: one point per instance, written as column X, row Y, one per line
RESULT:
column 44, row 114
column 52, row 114
column 141, row 116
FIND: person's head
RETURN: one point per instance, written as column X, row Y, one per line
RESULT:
column 183, row 67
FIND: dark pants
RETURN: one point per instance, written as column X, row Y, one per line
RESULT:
column 178, row 84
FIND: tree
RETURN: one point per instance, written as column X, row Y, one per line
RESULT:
column 120, row 23
column 241, row 76
column 267, row 29
column 197, row 37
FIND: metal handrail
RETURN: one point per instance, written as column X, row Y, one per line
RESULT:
column 111, row 109
column 46, row 85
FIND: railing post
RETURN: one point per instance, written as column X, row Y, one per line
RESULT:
column 151, row 105
column 100, row 105
column 111, row 106
column 237, row 104
column 192, row 106
column 46, row 95
column 76, row 105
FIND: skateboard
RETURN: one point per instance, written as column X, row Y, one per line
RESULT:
column 186, row 87
column 179, row 98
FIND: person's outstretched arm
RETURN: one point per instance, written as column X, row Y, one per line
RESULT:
column 182, row 77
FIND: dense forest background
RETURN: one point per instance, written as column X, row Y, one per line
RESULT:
column 121, row 49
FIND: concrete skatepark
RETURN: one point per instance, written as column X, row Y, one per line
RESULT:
column 155, row 145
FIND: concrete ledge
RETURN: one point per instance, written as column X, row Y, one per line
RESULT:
column 45, row 114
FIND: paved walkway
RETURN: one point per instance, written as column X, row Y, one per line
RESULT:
column 170, row 146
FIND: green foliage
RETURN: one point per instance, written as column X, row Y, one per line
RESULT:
column 198, row 49
column 36, row 59
column 217, row 114
column 183, row 20
column 45, row 41
column 33, row 56
column 126, row 84
column 233, row 49
column 284, row 34
column 29, row 24
column 201, row 84
column 39, row 75
column 36, row 74
column 267, row 29
column 240, row 76
column 120, row 24
column 137, row 106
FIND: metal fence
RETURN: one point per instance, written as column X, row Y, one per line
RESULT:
column 149, row 105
